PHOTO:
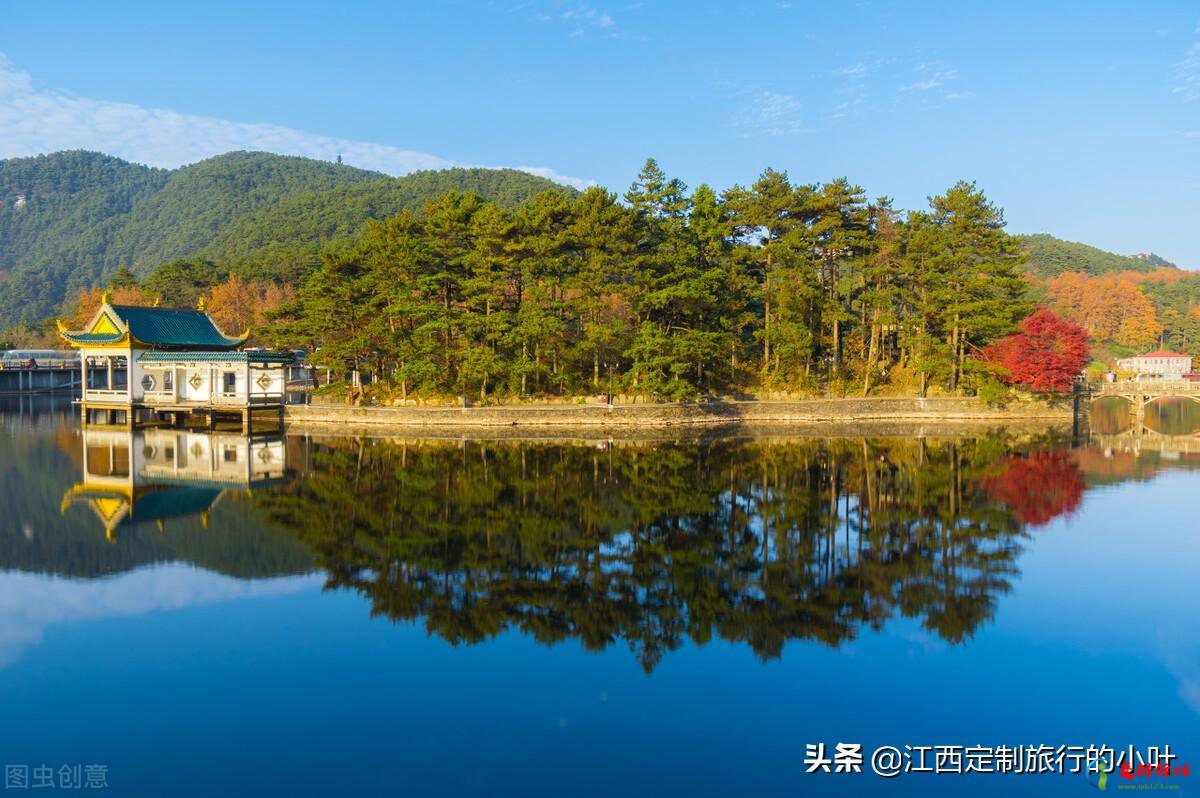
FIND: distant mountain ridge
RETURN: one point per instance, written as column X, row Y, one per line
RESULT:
column 1050, row 257
column 70, row 220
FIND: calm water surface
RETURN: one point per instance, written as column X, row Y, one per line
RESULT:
column 209, row 615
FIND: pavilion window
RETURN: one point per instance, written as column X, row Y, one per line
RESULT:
column 169, row 380
column 97, row 374
column 120, row 373
column 229, row 382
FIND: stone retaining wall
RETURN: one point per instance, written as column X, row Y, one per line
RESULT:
column 657, row 415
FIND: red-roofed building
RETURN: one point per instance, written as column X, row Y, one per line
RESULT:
column 1159, row 364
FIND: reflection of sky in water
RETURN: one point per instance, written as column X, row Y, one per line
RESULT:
column 187, row 682
column 32, row 603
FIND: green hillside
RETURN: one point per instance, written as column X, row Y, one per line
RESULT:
column 85, row 214
column 1050, row 256
column 289, row 234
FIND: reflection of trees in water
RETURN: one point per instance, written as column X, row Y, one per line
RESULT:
column 1171, row 416
column 1039, row 486
column 1110, row 415
column 755, row 541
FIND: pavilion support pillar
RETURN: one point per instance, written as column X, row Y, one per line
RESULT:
column 247, row 421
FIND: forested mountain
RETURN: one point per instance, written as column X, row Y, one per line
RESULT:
column 1049, row 257
column 283, row 240
column 70, row 220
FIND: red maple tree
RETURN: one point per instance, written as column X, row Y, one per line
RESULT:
column 1045, row 353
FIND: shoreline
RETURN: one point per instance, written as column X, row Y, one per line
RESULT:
column 799, row 414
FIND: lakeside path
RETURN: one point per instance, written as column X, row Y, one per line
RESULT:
column 799, row 413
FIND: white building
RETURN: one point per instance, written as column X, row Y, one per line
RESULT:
column 1159, row 365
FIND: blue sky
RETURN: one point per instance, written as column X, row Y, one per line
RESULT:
column 1080, row 119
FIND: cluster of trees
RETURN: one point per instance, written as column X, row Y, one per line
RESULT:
column 1128, row 312
column 645, row 545
column 670, row 293
column 1111, row 307
column 235, row 303
column 1127, row 303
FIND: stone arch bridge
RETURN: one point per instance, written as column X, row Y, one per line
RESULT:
column 1139, row 394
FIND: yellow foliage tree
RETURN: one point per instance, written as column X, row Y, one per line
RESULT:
column 88, row 301
column 237, row 305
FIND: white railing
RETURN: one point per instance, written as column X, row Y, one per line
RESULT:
column 105, row 393
column 1164, row 387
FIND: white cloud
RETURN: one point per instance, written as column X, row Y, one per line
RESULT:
column 578, row 17
column 853, row 70
column 1187, row 73
column 768, row 113
column 32, row 603
column 34, row 121
column 933, row 77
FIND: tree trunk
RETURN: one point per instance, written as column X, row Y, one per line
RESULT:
column 837, row 346
column 954, row 349
column 767, row 336
column 871, row 354
column 524, row 360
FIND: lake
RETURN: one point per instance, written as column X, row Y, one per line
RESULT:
column 191, row 613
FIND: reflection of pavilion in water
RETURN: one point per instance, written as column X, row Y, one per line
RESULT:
column 152, row 475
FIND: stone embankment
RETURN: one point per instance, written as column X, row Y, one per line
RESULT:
column 775, row 413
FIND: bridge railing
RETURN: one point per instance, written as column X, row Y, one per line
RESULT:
column 38, row 365
column 1154, row 387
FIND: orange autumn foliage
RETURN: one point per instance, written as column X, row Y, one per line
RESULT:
column 1111, row 307
column 237, row 305
column 88, row 302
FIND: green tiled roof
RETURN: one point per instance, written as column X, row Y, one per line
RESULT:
column 214, row 357
column 93, row 338
column 191, row 329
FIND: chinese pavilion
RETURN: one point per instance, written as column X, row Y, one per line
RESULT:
column 158, row 364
